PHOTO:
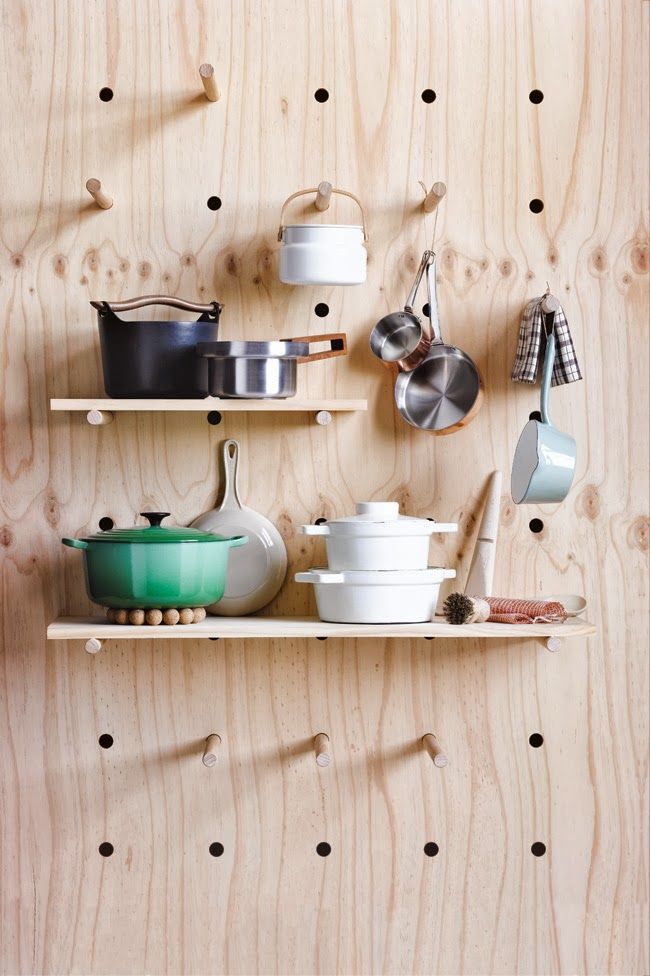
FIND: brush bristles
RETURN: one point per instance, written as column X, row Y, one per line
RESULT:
column 458, row 608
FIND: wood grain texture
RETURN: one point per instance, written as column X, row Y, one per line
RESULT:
column 81, row 628
column 377, row 903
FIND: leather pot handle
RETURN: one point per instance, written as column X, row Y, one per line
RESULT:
column 314, row 189
column 212, row 309
column 338, row 346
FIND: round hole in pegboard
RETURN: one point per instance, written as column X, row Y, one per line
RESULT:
column 216, row 849
column 535, row 415
column 322, row 309
column 106, row 94
column 320, row 521
column 536, row 525
column 213, row 638
column 214, row 203
column 428, row 96
column 321, row 638
column 106, row 523
column 536, row 739
column 536, row 96
column 425, row 310
column 536, row 205
column 214, row 418
column 431, row 848
column 323, row 849
column 538, row 848
column 321, row 94
column 105, row 740
column 106, row 848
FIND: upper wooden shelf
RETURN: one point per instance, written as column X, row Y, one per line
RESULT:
column 97, row 629
column 99, row 410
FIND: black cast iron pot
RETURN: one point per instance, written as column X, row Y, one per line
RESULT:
column 155, row 359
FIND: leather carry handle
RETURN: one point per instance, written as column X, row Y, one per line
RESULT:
column 104, row 308
column 338, row 346
column 314, row 189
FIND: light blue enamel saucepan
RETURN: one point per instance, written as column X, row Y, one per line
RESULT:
column 545, row 458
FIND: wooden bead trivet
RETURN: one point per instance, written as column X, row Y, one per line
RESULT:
column 171, row 617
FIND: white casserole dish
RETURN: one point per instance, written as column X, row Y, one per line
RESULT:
column 378, row 538
column 376, row 597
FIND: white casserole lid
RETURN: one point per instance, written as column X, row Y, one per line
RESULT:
column 379, row 519
column 378, row 577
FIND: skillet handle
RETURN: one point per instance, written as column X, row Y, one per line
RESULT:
column 231, row 492
column 434, row 318
column 338, row 346
column 410, row 301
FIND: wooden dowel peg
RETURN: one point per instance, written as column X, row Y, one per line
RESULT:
column 211, row 751
column 323, row 417
column 209, row 83
column 99, row 418
column 323, row 196
column 322, row 749
column 101, row 198
column 93, row 644
column 553, row 644
column 435, row 750
column 550, row 304
column 434, row 196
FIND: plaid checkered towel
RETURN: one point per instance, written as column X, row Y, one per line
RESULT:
column 532, row 345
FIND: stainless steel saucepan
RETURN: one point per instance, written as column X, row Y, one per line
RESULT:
column 443, row 393
column 399, row 338
column 259, row 370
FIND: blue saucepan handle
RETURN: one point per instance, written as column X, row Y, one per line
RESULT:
column 547, row 374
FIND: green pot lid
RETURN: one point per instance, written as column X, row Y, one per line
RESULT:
column 155, row 532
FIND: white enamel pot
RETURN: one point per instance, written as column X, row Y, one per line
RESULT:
column 403, row 597
column 322, row 254
column 378, row 538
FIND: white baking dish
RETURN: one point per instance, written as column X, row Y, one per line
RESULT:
column 376, row 597
column 378, row 538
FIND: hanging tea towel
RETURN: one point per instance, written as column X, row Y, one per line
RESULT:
column 531, row 346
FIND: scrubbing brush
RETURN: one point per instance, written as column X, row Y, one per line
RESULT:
column 461, row 609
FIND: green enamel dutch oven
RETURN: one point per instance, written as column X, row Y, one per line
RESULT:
column 155, row 567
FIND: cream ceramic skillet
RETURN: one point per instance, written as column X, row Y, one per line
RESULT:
column 251, row 582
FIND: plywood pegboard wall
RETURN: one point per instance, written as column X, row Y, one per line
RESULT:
column 163, row 902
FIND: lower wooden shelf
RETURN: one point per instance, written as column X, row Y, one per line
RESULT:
column 85, row 628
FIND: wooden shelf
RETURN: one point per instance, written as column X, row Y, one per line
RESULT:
column 85, row 628
column 100, row 410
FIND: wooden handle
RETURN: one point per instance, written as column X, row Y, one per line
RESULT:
column 481, row 570
column 434, row 196
column 435, row 750
column 323, row 196
column 315, row 189
column 206, row 72
column 321, row 749
column 101, row 198
column 338, row 346
column 211, row 751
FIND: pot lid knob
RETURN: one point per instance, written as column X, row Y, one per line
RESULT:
column 379, row 511
column 155, row 518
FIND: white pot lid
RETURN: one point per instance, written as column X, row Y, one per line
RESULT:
column 379, row 519
column 378, row 577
